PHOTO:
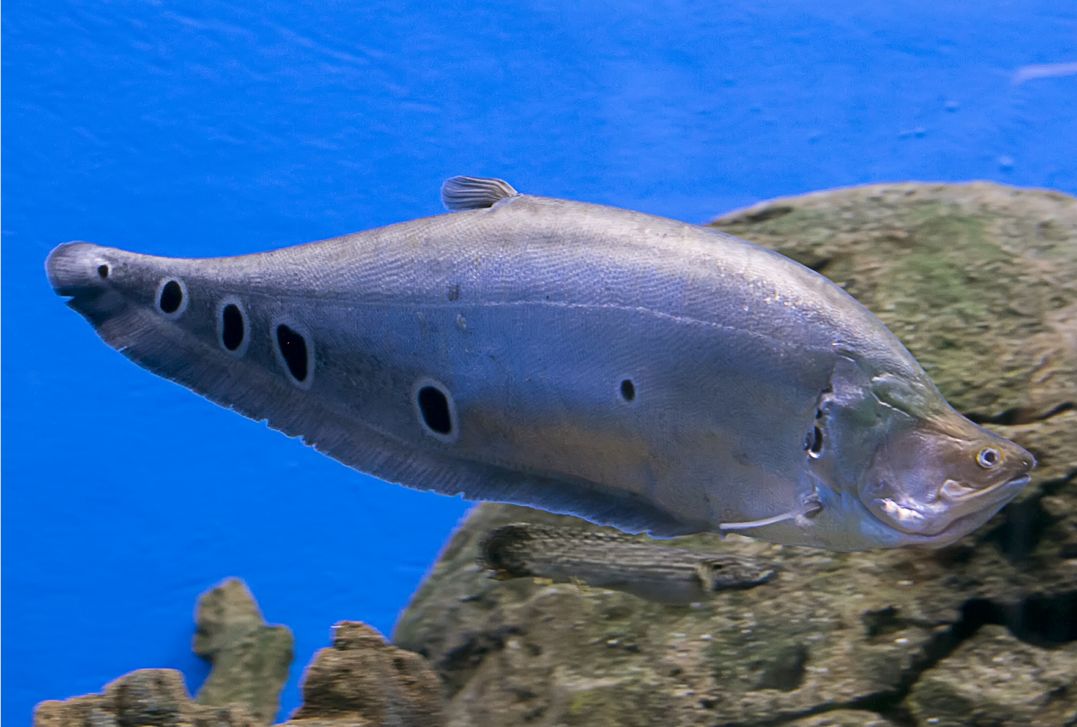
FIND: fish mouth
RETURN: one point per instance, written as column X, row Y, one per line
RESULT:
column 1018, row 481
column 959, row 492
column 929, row 528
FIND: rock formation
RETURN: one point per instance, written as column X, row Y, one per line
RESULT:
column 360, row 682
column 145, row 697
column 250, row 658
column 994, row 678
column 980, row 282
column 363, row 681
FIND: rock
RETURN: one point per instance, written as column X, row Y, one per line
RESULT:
column 145, row 697
column 843, row 718
column 976, row 279
column 994, row 679
column 980, row 281
column 250, row 658
column 362, row 680
column 829, row 630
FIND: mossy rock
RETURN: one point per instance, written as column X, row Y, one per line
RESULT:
column 978, row 280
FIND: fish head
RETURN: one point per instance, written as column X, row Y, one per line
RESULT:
column 99, row 282
column 934, row 478
column 892, row 464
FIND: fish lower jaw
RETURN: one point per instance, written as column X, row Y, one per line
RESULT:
column 905, row 519
column 913, row 522
column 1018, row 482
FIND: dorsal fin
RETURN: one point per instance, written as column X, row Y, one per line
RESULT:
column 472, row 193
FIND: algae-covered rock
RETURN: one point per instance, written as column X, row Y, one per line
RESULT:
column 843, row 718
column 363, row 681
column 976, row 279
column 144, row 697
column 250, row 665
column 830, row 629
column 994, row 679
column 250, row 658
column 980, row 281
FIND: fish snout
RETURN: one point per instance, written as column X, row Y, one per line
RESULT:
column 1014, row 462
column 1028, row 460
column 77, row 268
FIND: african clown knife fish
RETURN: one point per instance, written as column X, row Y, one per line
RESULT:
column 632, row 370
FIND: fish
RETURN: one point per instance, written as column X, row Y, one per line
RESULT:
column 614, row 561
column 635, row 371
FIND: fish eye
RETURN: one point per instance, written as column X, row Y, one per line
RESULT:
column 988, row 457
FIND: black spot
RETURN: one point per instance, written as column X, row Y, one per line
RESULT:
column 171, row 297
column 628, row 390
column 232, row 328
column 434, row 407
column 293, row 349
column 102, row 271
column 813, row 443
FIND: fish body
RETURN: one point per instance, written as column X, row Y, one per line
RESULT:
column 632, row 370
column 611, row 560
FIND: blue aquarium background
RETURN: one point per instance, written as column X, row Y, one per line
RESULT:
column 214, row 128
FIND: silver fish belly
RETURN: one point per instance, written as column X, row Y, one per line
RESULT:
column 632, row 370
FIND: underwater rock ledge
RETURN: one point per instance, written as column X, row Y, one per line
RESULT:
column 980, row 282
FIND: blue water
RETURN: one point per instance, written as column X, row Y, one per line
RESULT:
column 212, row 128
